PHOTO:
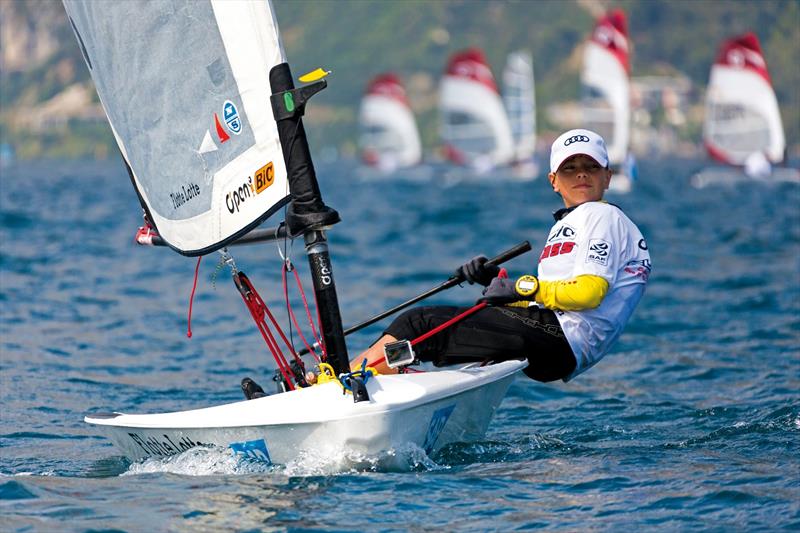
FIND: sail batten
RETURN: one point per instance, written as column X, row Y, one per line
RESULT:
column 186, row 90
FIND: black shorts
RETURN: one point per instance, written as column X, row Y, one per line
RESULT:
column 492, row 334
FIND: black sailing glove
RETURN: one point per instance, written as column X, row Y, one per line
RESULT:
column 477, row 271
column 505, row 291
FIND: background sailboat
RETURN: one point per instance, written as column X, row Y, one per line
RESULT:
column 474, row 125
column 743, row 125
column 519, row 96
column 605, row 93
column 389, row 138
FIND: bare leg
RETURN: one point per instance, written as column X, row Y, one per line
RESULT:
column 374, row 357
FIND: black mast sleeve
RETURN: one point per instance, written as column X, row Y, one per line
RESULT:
column 307, row 211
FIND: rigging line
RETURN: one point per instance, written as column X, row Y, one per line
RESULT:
column 286, row 238
column 276, row 350
column 272, row 344
column 258, row 309
column 191, row 297
column 319, row 338
column 284, row 255
column 293, row 318
column 264, row 309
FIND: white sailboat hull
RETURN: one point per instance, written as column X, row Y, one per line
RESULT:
column 429, row 410
column 728, row 176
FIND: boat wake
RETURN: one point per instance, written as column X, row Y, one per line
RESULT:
column 213, row 461
column 199, row 462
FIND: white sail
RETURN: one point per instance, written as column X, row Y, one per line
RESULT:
column 520, row 99
column 742, row 114
column 389, row 137
column 185, row 86
column 474, row 124
column 605, row 83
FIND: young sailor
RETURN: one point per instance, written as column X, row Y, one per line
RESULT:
column 592, row 273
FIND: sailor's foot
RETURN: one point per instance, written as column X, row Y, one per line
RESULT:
column 251, row 389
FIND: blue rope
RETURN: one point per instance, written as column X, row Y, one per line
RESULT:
column 344, row 379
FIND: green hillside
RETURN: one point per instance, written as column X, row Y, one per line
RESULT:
column 357, row 39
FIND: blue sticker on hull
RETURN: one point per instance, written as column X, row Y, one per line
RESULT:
column 252, row 449
column 438, row 421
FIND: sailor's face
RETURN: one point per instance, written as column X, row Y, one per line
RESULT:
column 580, row 179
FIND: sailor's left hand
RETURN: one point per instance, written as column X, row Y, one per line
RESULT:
column 504, row 291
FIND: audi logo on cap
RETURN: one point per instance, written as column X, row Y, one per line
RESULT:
column 576, row 139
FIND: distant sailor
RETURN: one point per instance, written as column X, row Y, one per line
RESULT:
column 592, row 273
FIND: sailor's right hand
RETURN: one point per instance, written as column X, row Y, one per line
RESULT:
column 477, row 271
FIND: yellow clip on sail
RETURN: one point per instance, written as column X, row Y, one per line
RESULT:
column 314, row 75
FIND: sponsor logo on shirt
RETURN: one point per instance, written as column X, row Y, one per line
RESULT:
column 559, row 248
column 598, row 252
column 638, row 268
column 559, row 242
column 561, row 232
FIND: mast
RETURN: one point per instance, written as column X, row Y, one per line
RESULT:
column 307, row 214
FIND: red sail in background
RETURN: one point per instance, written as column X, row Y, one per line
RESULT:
column 744, row 51
column 388, row 85
column 611, row 32
column 472, row 64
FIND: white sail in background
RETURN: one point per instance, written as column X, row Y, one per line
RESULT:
column 474, row 124
column 389, row 136
column 605, row 81
column 742, row 114
column 186, row 89
column 520, row 100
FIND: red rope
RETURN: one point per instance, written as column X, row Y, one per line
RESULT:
column 441, row 327
column 321, row 331
column 291, row 313
column 449, row 323
column 317, row 337
column 191, row 297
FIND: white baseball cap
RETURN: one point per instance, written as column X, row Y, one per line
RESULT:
column 578, row 141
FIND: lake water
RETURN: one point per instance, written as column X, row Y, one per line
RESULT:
column 691, row 423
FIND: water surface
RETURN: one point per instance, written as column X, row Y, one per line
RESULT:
column 693, row 422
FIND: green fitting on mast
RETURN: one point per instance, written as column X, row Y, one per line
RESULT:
column 288, row 101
